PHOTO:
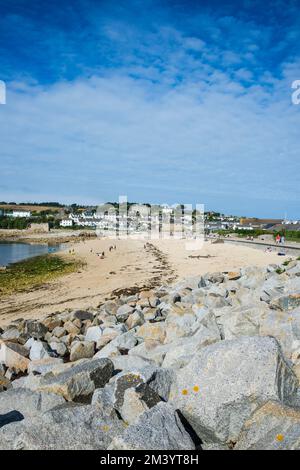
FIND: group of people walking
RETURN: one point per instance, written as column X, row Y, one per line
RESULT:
column 102, row 254
column 280, row 239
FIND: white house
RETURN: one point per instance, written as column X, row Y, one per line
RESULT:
column 106, row 215
column 66, row 223
column 20, row 213
column 166, row 209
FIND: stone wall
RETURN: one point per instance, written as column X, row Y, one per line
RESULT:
column 39, row 228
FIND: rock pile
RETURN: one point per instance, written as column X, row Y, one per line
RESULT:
column 212, row 362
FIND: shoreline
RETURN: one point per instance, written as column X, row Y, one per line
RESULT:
column 55, row 249
column 33, row 273
column 132, row 267
column 52, row 237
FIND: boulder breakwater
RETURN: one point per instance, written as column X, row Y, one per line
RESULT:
column 212, row 362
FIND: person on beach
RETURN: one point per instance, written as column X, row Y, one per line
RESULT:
column 277, row 239
column 282, row 240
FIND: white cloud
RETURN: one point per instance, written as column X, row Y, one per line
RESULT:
column 109, row 135
column 177, row 129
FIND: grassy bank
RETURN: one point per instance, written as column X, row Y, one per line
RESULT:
column 290, row 235
column 33, row 272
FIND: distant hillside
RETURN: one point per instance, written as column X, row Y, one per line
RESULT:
column 29, row 207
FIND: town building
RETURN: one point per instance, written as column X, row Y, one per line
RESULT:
column 39, row 228
column 66, row 223
column 20, row 213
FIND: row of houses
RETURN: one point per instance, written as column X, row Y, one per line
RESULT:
column 16, row 213
column 213, row 222
column 252, row 224
column 108, row 220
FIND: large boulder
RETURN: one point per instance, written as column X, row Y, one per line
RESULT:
column 106, row 338
column 82, row 315
column 225, row 382
column 120, row 344
column 52, row 322
column 58, row 348
column 14, row 356
column 290, row 298
column 123, row 312
column 284, row 327
column 272, row 427
column 211, row 278
column 207, row 318
column 93, row 333
column 293, row 268
column 179, row 323
column 151, row 350
column 148, row 386
column 11, row 334
column 77, row 383
column 103, row 399
column 39, row 350
column 73, row 427
column 286, row 302
column 35, row 329
column 161, row 382
column 159, row 428
column 42, row 366
column 184, row 349
column 152, row 331
column 243, row 321
column 134, row 319
column 133, row 406
column 72, row 328
column 59, row 332
column 125, row 341
column 127, row 363
column 131, row 379
column 81, row 350
column 24, row 404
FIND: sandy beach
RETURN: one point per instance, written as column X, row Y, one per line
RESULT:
column 130, row 266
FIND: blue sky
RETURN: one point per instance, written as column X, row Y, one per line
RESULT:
column 163, row 101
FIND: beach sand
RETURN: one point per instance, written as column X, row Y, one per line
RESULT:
column 131, row 266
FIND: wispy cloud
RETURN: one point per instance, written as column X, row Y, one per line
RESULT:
column 186, row 108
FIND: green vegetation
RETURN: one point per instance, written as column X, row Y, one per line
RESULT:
column 34, row 272
column 49, row 204
column 76, row 227
column 245, row 233
column 21, row 223
column 290, row 235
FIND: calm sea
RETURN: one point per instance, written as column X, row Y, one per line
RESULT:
column 13, row 252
